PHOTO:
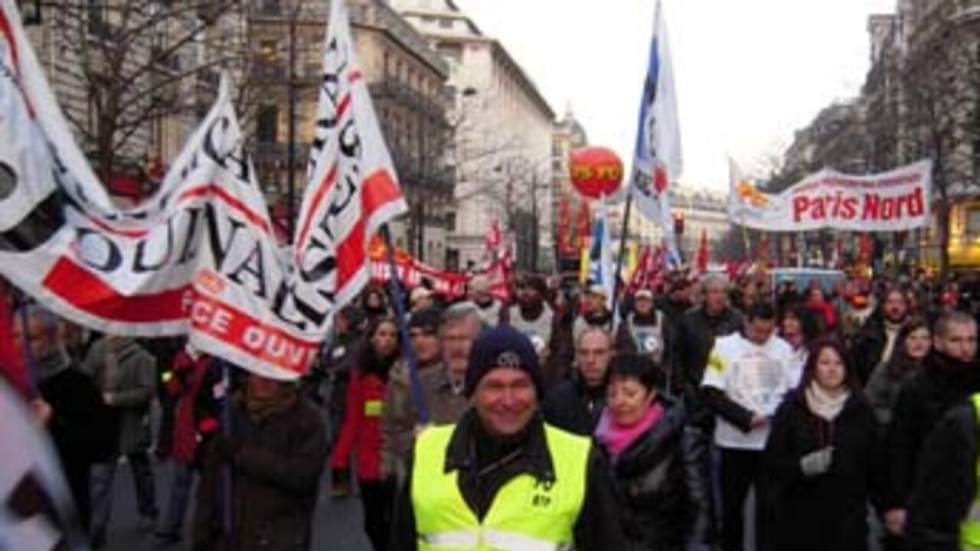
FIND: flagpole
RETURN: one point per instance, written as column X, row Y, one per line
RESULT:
column 394, row 282
column 619, row 261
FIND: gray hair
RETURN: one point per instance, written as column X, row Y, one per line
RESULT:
column 461, row 311
column 952, row 318
column 715, row 279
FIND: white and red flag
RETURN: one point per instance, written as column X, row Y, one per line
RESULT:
column 498, row 263
column 200, row 256
column 352, row 189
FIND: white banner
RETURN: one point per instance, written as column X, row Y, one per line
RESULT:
column 892, row 201
column 199, row 257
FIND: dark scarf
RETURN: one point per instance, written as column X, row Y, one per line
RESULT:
column 531, row 312
column 598, row 318
column 952, row 368
column 645, row 319
column 494, row 450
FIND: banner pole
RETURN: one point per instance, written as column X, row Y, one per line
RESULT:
column 394, row 282
column 227, row 484
column 619, row 260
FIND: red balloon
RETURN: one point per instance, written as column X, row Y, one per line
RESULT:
column 595, row 171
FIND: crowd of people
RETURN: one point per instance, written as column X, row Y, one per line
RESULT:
column 701, row 415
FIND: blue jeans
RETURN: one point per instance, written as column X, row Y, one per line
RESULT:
column 103, row 475
column 180, row 494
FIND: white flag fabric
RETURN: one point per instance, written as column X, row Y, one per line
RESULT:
column 36, row 509
column 352, row 188
column 602, row 271
column 657, row 161
column 199, row 257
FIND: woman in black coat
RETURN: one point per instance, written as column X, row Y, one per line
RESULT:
column 660, row 464
column 818, row 460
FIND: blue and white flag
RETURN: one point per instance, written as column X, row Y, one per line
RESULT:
column 657, row 158
column 602, row 271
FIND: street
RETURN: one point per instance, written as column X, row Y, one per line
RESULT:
column 337, row 524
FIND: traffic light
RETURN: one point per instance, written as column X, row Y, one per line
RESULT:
column 678, row 223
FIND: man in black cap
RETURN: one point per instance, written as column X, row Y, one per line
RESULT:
column 502, row 478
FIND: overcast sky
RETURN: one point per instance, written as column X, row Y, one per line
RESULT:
column 749, row 72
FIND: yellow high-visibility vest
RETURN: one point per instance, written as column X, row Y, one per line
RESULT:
column 970, row 528
column 525, row 515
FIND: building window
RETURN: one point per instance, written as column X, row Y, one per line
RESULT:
column 267, row 124
column 452, row 52
column 446, row 23
column 451, row 221
column 96, row 18
column 452, row 259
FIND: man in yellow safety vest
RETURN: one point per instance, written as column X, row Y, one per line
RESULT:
column 944, row 510
column 501, row 478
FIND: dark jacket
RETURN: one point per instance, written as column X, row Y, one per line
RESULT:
column 946, row 483
column 484, row 468
column 573, row 407
column 633, row 324
column 827, row 511
column 130, row 382
column 275, row 468
column 83, row 429
column 883, row 387
column 868, row 345
column 663, row 481
column 923, row 400
column 696, row 336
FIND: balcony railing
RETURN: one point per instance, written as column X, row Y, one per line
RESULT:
column 403, row 94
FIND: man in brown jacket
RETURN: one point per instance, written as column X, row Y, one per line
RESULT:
column 441, row 376
column 274, row 450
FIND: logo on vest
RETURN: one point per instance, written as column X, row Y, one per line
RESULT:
column 541, row 498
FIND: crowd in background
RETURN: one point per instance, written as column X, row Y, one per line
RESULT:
column 817, row 401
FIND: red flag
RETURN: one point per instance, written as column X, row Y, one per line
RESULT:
column 701, row 260
column 584, row 226
column 498, row 264
column 564, row 228
column 12, row 365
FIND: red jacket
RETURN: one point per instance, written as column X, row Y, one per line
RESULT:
column 361, row 431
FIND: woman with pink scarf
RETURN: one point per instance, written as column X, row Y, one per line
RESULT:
column 660, row 464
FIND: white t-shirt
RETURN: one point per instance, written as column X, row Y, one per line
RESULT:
column 755, row 377
column 796, row 365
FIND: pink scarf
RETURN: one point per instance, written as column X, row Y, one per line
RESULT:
column 616, row 438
